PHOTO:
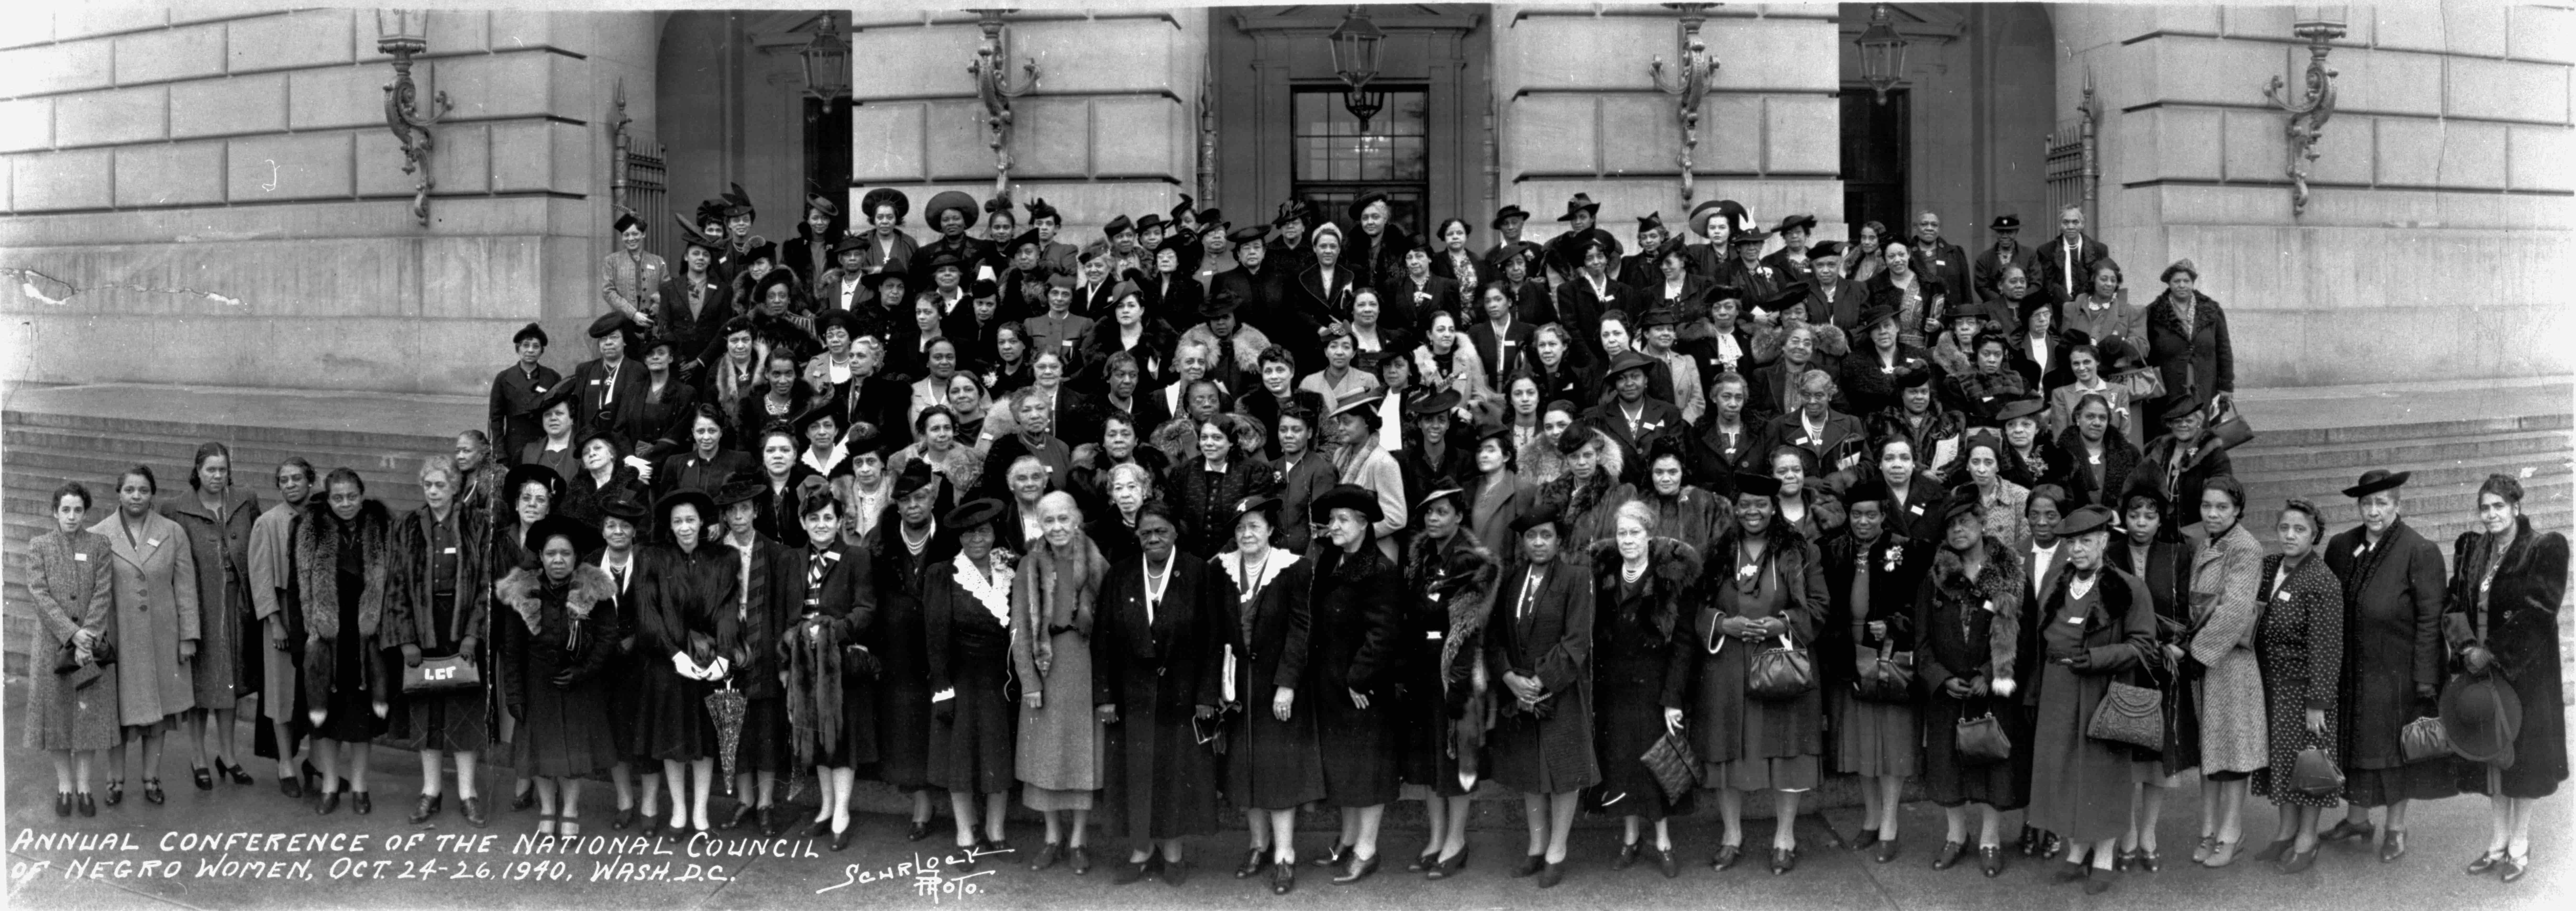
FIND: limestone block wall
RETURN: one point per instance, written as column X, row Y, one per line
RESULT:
column 213, row 197
column 1111, row 127
column 2434, row 244
column 1580, row 113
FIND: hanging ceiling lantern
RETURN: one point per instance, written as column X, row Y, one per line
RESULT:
column 1882, row 52
column 827, row 61
column 1357, row 46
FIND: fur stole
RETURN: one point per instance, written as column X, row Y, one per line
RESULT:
column 317, row 566
column 2000, row 582
column 520, row 590
column 1082, row 568
column 1767, row 339
column 1465, row 585
column 1672, row 567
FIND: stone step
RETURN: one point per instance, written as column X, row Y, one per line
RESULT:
column 2300, row 437
column 2330, row 482
column 2522, row 446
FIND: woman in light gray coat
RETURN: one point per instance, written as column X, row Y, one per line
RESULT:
column 2234, row 721
column 156, row 623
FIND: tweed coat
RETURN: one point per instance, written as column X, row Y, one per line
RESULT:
column 227, row 665
column 2225, row 577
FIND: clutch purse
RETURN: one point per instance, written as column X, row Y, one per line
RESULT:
column 1780, row 673
column 1982, row 740
column 2314, row 774
column 453, row 673
column 2134, row 715
column 2422, row 739
column 1890, row 680
column 1674, row 763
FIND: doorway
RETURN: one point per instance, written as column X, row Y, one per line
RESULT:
column 1874, row 152
column 1337, row 160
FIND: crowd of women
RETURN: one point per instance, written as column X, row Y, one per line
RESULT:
column 1650, row 533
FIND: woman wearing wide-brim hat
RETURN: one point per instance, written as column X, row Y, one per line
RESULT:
column 2393, row 593
column 1354, row 673
column 684, row 630
column 880, row 226
column 2506, row 586
column 2093, row 626
column 1273, row 763
column 967, row 633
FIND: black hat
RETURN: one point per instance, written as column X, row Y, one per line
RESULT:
column 1788, row 296
column 767, row 250
column 1151, row 221
column 1515, row 250
column 1965, row 503
column 1186, row 207
column 738, row 203
column 1442, row 489
column 2481, row 717
column 1716, row 293
column 1522, row 523
column 1871, row 316
column 525, row 472
column 827, row 319
column 1267, row 506
column 945, row 200
column 1508, row 213
column 620, row 503
column 820, row 203
column 561, row 394
column 1222, row 303
column 1347, row 496
column 2376, row 480
column 692, row 496
column 916, row 474
column 945, row 259
column 1626, row 361
column 1823, row 249
column 1800, row 220
column 850, row 243
column 804, row 422
column 1728, row 209
column 1436, row 403
column 698, row 238
column 610, row 323
column 1582, row 202
column 1651, row 221
column 1373, row 196
column 1375, row 361
column 983, row 288
column 1574, row 438
column 624, row 221
column 2029, row 407
column 1028, row 238
column 2177, row 406
column 1914, row 377
column 605, row 433
column 1179, row 242
column 1038, row 209
column 2084, row 520
column 893, row 271
column 1251, row 235
column 998, row 205
column 885, row 196
column 1292, row 210
column 1761, row 485
column 1749, row 236
column 656, row 337
column 777, row 278
column 583, row 538
column 2006, row 223
column 530, row 331
column 972, row 513
column 1494, row 430
column 1117, row 226
column 741, row 488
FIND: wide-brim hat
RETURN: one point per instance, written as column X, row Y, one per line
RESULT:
column 579, row 534
column 1436, row 403
column 2376, row 480
column 2481, row 716
column 692, row 237
column 1222, row 303
column 1729, row 209
column 850, row 243
column 1248, row 235
column 2085, row 520
column 1508, row 213
column 1292, row 210
column 1347, row 496
column 1151, row 221
column 1581, row 203
column 1627, row 360
column 1363, row 406
column 893, row 271
column 834, row 317
column 1522, row 523
column 2020, row 408
column 741, row 488
column 1800, row 220
column 1748, row 236
column 1870, row 317
column 946, row 258
column 805, row 421
column 561, row 394
column 620, row 503
column 820, row 203
column 525, row 472
column 1514, row 250
column 1028, row 238
column 885, row 196
column 1963, row 505
column 946, row 200
column 1445, row 490
column 706, row 506
column 1663, row 313
column 1790, row 295
column 972, row 513
column 738, row 203
column 2175, row 407
column 1825, row 249
column 611, row 323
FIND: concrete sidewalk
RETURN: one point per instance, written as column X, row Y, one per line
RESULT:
column 2445, row 834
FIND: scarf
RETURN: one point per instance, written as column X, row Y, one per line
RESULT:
column 1063, row 583
column 994, row 595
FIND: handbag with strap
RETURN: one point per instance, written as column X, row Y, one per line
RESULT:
column 450, row 674
column 1675, row 765
column 1779, row 674
column 2314, row 774
column 2230, row 427
column 1891, row 679
column 1982, row 740
column 2422, row 739
column 2134, row 715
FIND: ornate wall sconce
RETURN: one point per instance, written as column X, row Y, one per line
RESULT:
column 402, row 33
column 2308, row 114
column 993, row 84
column 1694, row 67
column 827, row 61
column 1882, row 52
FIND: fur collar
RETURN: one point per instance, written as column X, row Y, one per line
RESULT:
column 520, row 589
column 1672, row 564
column 317, row 565
column 2000, row 582
column 1466, row 574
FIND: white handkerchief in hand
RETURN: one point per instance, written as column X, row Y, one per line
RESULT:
column 680, row 661
column 1225, row 684
column 943, row 695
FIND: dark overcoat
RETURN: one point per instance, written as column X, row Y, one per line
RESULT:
column 2392, row 630
column 1157, row 780
column 2521, row 627
column 1355, row 651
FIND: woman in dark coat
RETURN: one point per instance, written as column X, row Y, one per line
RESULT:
column 1444, row 699
column 1769, row 586
column 901, row 550
column 344, row 547
column 2393, row 596
column 439, row 607
column 1157, row 669
column 683, row 633
column 2299, row 642
column 1272, row 765
column 2099, row 457
column 218, row 517
column 1203, row 489
column 2161, row 559
column 555, row 642
column 1642, row 661
column 1872, row 573
column 1967, row 653
column 2504, row 621
column 824, row 593
column 2187, row 341
column 1353, row 666
column 2095, row 625
column 966, row 614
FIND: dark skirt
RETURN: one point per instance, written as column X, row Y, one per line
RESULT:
column 763, row 747
column 1949, row 781
column 2285, row 734
column 1272, row 764
column 1359, row 750
column 974, row 750
column 2079, row 788
column 857, row 745
column 671, row 721
column 566, row 732
column 1627, row 720
column 1876, row 739
column 2431, row 779
column 453, row 722
column 352, row 712
column 1430, row 766
column 1156, row 780
column 901, row 698
column 619, row 696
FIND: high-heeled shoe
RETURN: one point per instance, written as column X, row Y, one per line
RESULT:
column 239, row 775
column 205, row 777
column 1335, row 857
column 1359, row 869
column 1424, row 861
column 770, row 823
column 2224, row 855
column 1283, row 878
column 1079, row 860
column 2067, row 873
column 1529, row 866
column 329, row 801
column 2516, row 867
column 1175, row 872
column 1131, row 872
column 523, row 799
column 2299, row 861
column 2147, row 860
column 2200, row 852
column 741, row 815
column 1866, row 838
column 1047, row 857
column 472, row 807
column 1627, row 856
column 152, row 791
column 1887, row 850
column 115, row 792
column 841, row 840
column 2100, row 881
column 920, row 830
column 1443, row 869
column 1255, row 862
column 2345, row 828
column 1948, row 856
column 2272, row 853
column 2392, row 846
column 1727, row 855
column 652, row 824
column 625, row 817
column 2485, row 862
column 63, row 804
column 1783, row 860
column 361, row 803
column 546, row 824
column 1550, row 875
column 429, row 806
column 570, row 828
column 819, row 828
column 291, row 786
column 88, row 805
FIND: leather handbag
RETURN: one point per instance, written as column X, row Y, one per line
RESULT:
column 2314, row 774
column 1982, row 740
column 1780, row 674
column 454, row 673
column 2134, row 715
column 1890, row 680
column 2230, row 427
column 1674, row 764
column 2422, row 739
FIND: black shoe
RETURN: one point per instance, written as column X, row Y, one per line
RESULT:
column 819, row 828
column 473, row 809
column 1359, row 869
column 1529, row 865
column 652, row 825
column 2392, row 846
column 1886, row 850
column 361, row 804
column 1047, row 856
column 290, row 787
column 2345, row 829
column 1991, row 860
column 1443, row 869
column 1949, row 855
column 240, row 776
column 2272, row 852
column 2299, row 861
column 2485, row 862
column 1283, row 878
column 1339, row 855
column 1627, row 856
column 625, row 817
column 770, row 825
column 152, row 792
column 428, row 807
column 1550, row 875
column 1078, row 860
column 1783, row 860
column 1255, row 861
column 1129, row 873
column 2050, row 845
column 2100, row 881
column 205, row 777
column 2029, row 842
column 63, row 803
column 2146, row 860
column 841, row 840
column 1866, row 838
column 993, row 846
column 115, row 793
column 330, row 801
column 2516, row 867
column 88, row 805
column 1668, row 862
column 1726, row 857
column 521, row 800
column 920, row 830
column 741, row 815
column 1424, row 861
column 1176, row 872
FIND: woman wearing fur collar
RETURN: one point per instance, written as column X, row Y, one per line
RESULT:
column 1768, row 585
column 1588, row 494
column 344, row 547
column 1642, row 661
column 2094, row 625
column 1450, row 580
column 1968, row 624
column 553, row 641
